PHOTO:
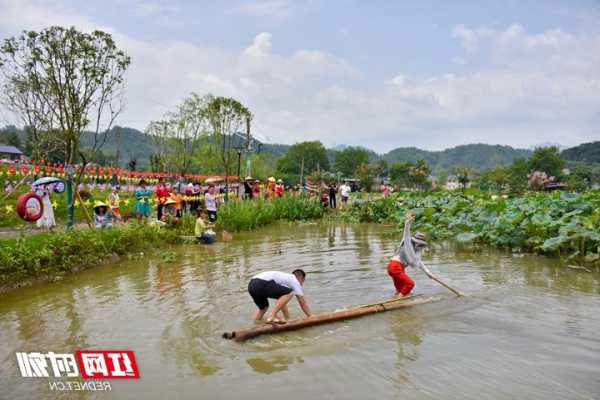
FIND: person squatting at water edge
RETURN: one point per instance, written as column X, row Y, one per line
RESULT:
column 281, row 286
column 408, row 254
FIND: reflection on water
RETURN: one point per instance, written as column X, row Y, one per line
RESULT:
column 527, row 330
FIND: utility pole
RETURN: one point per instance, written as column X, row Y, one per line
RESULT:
column 302, row 174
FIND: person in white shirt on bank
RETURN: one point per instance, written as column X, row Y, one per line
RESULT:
column 345, row 193
column 277, row 285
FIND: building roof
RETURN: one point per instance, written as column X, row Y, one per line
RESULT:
column 8, row 149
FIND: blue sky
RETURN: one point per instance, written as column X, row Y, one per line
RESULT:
column 380, row 74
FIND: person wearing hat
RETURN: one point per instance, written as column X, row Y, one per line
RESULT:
column 270, row 188
column 256, row 189
column 279, row 189
column 408, row 255
column 248, row 188
column 102, row 218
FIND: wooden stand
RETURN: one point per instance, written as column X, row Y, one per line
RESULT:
column 388, row 305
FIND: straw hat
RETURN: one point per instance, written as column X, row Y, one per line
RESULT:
column 271, row 179
column 98, row 204
column 257, row 181
column 279, row 181
column 419, row 239
column 248, row 178
column 169, row 202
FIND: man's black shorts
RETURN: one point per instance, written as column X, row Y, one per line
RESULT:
column 261, row 291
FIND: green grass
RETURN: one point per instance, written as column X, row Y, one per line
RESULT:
column 251, row 214
column 52, row 253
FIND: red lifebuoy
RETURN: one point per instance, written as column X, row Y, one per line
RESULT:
column 30, row 206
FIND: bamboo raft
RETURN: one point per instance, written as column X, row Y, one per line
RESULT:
column 340, row 315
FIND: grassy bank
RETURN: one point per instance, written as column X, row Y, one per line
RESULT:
column 46, row 255
column 248, row 215
column 560, row 223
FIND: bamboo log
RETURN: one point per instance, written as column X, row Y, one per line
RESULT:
column 245, row 334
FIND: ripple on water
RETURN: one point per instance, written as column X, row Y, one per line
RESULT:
column 527, row 329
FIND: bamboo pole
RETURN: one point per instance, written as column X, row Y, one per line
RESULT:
column 355, row 312
column 85, row 211
column 438, row 280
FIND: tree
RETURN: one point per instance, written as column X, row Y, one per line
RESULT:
column 581, row 177
column 176, row 138
column 517, row 176
column 226, row 117
column 349, row 159
column 304, row 157
column 548, row 160
column 400, row 174
column 366, row 174
column 8, row 135
column 420, row 174
column 60, row 82
column 381, row 167
column 464, row 175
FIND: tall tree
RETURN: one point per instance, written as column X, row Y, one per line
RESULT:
column 420, row 174
column 349, row 159
column 227, row 117
column 400, row 174
column 305, row 157
column 548, row 160
column 176, row 138
column 464, row 175
column 517, row 177
column 61, row 82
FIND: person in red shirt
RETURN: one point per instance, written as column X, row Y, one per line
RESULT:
column 256, row 189
column 162, row 195
column 279, row 189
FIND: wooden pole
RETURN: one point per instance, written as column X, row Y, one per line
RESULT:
column 248, row 333
column 456, row 292
column 85, row 211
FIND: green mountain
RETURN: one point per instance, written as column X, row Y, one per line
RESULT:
column 586, row 152
column 477, row 156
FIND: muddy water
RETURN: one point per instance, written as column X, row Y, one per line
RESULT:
column 529, row 329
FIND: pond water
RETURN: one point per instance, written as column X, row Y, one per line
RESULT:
column 530, row 327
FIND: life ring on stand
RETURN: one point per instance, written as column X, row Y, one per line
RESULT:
column 30, row 206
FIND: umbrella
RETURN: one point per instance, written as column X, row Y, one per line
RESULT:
column 46, row 181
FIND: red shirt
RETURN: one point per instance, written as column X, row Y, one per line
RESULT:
column 162, row 192
column 279, row 190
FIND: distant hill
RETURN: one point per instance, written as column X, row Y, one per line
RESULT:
column 586, row 152
column 477, row 156
column 132, row 144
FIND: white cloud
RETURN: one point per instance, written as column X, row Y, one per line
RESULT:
column 261, row 46
column 278, row 9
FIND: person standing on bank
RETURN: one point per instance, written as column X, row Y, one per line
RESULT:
column 332, row 194
column 248, row 188
column 210, row 202
column 345, row 193
column 281, row 286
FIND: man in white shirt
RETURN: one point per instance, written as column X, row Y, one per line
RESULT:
column 345, row 193
column 277, row 285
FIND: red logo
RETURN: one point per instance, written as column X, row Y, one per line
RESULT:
column 107, row 364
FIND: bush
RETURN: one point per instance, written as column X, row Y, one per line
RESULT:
column 559, row 223
column 61, row 251
column 250, row 214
